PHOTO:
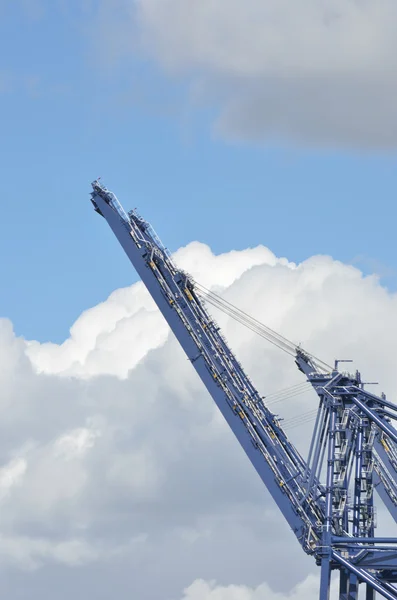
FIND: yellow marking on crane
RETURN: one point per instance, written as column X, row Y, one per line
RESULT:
column 386, row 447
column 188, row 294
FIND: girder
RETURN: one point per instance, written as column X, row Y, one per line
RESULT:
column 354, row 444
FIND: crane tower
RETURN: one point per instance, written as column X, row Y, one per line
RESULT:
column 328, row 499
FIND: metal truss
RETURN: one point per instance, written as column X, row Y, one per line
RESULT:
column 328, row 499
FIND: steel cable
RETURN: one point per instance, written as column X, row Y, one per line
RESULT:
column 254, row 325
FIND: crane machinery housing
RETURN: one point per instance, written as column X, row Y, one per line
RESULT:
column 327, row 499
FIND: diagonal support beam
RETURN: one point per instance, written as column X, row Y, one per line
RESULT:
column 390, row 431
column 364, row 576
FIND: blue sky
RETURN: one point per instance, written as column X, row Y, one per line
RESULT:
column 68, row 116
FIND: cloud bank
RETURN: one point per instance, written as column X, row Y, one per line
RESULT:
column 202, row 590
column 115, row 465
column 317, row 73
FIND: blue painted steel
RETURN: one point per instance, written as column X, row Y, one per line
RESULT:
column 385, row 473
column 343, row 584
column 381, row 451
column 364, row 576
column 325, row 578
column 336, row 540
column 366, row 454
column 276, row 460
column 352, row 434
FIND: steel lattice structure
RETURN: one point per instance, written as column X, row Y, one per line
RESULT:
column 328, row 499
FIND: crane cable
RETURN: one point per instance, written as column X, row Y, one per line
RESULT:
column 302, row 418
column 292, row 392
column 276, row 339
column 288, row 390
column 254, row 325
column 245, row 319
column 309, row 419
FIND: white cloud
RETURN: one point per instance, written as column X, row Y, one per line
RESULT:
column 30, row 554
column 11, row 475
column 100, row 340
column 76, row 443
column 313, row 72
column 111, row 451
column 203, row 590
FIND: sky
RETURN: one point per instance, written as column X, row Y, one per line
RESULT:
column 84, row 93
column 260, row 141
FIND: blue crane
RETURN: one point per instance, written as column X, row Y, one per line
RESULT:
column 328, row 499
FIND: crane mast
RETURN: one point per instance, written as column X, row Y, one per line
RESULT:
column 354, row 444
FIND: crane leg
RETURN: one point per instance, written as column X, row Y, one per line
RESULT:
column 370, row 593
column 353, row 587
column 343, row 585
column 348, row 587
column 325, row 578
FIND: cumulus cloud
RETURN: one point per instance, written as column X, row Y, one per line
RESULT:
column 100, row 340
column 113, row 455
column 312, row 72
column 203, row 590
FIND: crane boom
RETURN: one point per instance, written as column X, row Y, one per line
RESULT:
column 274, row 457
column 354, row 444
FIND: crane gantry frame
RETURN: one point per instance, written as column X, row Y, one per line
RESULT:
column 353, row 446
